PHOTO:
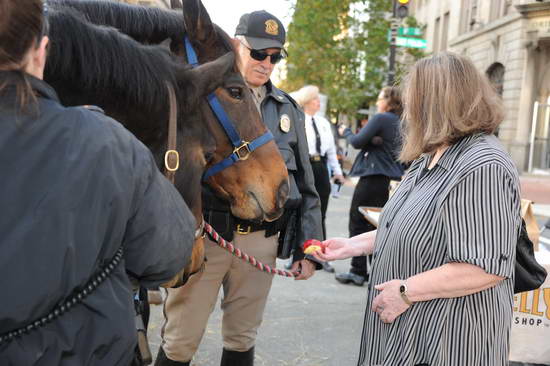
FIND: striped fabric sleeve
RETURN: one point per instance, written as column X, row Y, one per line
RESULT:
column 481, row 217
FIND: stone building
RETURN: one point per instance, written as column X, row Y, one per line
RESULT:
column 509, row 40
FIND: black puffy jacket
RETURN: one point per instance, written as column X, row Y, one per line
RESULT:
column 76, row 186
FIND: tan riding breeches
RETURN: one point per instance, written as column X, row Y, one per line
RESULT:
column 245, row 291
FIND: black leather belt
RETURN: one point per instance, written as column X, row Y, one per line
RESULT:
column 244, row 227
column 316, row 158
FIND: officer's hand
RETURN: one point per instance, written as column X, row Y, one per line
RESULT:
column 305, row 267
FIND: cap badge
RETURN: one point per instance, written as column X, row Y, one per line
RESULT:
column 271, row 27
column 285, row 123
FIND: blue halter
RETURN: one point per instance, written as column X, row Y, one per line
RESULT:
column 241, row 149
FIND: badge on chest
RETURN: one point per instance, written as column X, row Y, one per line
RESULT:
column 284, row 123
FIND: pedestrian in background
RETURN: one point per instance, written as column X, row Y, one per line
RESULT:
column 322, row 149
column 441, row 288
column 375, row 165
column 259, row 42
column 83, row 205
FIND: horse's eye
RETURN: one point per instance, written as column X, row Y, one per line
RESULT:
column 235, row 93
column 208, row 156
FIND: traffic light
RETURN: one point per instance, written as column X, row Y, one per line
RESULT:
column 402, row 8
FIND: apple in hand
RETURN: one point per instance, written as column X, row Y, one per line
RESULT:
column 310, row 246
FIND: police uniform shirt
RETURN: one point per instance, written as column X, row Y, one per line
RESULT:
column 258, row 95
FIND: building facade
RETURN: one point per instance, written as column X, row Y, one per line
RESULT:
column 509, row 40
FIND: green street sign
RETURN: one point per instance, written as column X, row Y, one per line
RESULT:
column 405, row 31
column 410, row 42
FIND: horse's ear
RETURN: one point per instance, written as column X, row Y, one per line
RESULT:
column 209, row 76
column 197, row 22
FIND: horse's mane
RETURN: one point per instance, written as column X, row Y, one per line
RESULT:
column 144, row 24
column 101, row 58
column 148, row 25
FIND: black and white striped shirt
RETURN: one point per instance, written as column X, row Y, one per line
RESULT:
column 465, row 209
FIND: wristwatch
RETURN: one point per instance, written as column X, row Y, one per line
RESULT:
column 403, row 293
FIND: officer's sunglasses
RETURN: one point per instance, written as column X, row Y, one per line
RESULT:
column 259, row 55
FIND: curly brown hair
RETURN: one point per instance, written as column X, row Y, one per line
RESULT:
column 392, row 95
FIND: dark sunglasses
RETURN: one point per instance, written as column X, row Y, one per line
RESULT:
column 259, row 55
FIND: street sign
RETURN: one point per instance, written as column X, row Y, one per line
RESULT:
column 406, row 31
column 410, row 42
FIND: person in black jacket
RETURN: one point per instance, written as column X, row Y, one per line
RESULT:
column 376, row 164
column 83, row 205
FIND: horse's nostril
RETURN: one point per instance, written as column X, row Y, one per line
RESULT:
column 282, row 195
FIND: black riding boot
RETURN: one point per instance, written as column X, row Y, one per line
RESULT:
column 162, row 360
column 234, row 358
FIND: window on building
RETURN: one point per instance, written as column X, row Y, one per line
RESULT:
column 437, row 29
column 469, row 15
column 499, row 8
column 496, row 10
column 495, row 73
column 506, row 7
column 445, row 31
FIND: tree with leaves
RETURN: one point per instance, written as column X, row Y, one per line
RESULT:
column 334, row 45
column 342, row 47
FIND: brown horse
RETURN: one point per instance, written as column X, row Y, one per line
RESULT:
column 91, row 61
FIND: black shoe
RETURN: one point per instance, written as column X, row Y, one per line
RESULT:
column 348, row 277
column 162, row 360
column 234, row 358
column 327, row 267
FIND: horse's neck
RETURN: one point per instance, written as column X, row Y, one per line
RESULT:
column 135, row 118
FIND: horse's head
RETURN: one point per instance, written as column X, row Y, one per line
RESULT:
column 257, row 185
column 128, row 78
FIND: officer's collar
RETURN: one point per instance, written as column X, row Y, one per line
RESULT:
column 275, row 93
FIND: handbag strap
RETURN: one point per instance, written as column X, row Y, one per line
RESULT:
column 73, row 300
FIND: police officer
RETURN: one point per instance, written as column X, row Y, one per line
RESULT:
column 259, row 41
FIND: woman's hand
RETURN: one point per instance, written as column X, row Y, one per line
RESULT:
column 389, row 304
column 336, row 248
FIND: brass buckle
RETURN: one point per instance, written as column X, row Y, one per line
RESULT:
column 239, row 151
column 244, row 230
column 167, row 156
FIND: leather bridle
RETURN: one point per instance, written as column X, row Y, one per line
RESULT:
column 241, row 148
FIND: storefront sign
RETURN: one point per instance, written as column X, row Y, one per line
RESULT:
column 529, row 341
column 541, row 25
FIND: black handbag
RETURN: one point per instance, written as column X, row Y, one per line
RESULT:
column 530, row 275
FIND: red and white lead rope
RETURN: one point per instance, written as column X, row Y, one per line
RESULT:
column 242, row 255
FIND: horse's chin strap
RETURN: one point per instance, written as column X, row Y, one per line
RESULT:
column 171, row 156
